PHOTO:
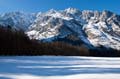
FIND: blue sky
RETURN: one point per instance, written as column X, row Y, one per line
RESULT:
column 44, row 5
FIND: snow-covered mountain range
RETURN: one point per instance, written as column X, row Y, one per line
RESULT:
column 89, row 27
column 18, row 20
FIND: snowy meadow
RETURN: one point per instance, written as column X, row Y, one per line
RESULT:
column 60, row 67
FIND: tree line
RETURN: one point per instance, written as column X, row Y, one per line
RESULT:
column 16, row 42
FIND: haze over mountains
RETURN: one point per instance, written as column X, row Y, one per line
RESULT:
column 92, row 28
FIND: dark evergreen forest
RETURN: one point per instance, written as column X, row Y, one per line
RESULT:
column 17, row 43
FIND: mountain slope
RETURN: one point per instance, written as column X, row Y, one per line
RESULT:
column 91, row 28
column 18, row 20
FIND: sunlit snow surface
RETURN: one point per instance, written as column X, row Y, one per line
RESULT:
column 58, row 67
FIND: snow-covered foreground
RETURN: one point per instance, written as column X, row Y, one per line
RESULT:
column 59, row 67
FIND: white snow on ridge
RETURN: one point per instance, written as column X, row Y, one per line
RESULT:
column 97, row 36
column 60, row 67
column 57, row 14
column 45, row 35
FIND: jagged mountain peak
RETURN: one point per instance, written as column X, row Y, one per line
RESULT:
column 52, row 11
column 71, row 10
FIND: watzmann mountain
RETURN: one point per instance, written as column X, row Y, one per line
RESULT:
column 91, row 28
